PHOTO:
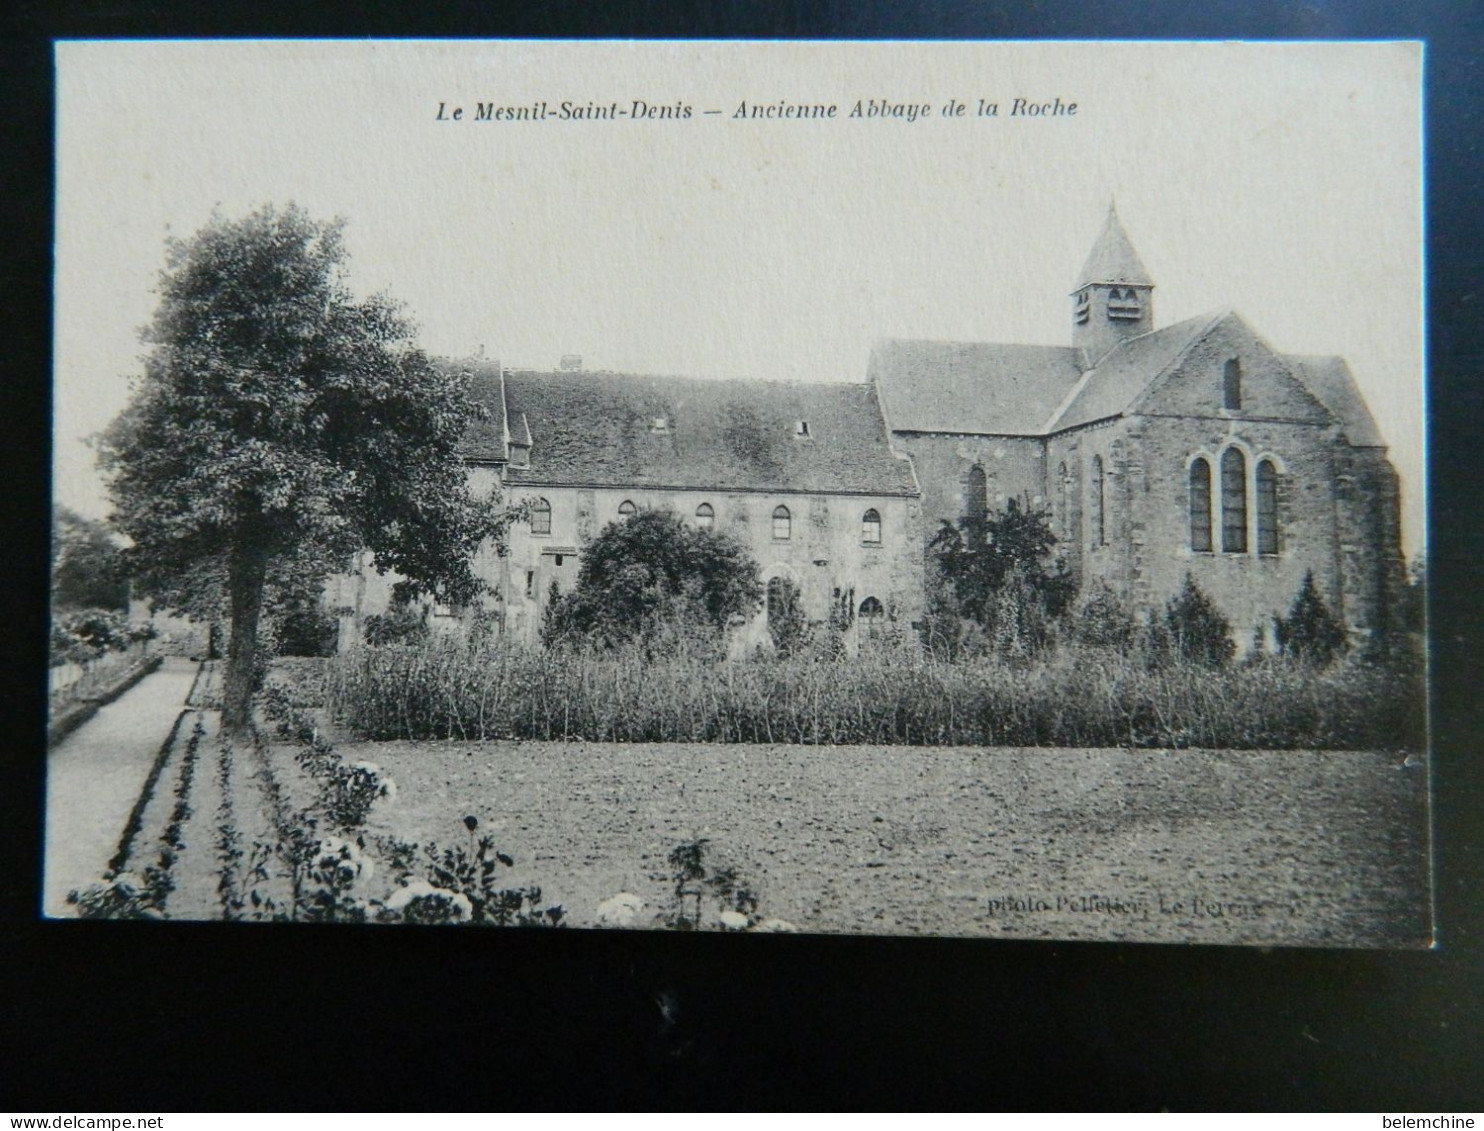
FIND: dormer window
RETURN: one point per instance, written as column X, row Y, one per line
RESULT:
column 801, row 429
column 659, row 424
column 1231, row 385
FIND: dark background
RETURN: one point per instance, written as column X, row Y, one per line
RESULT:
column 145, row 1017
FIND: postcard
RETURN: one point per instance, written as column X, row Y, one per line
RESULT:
column 967, row 489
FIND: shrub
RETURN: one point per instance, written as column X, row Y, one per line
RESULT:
column 401, row 624
column 1102, row 620
column 81, row 635
column 468, row 878
column 306, row 631
column 1197, row 632
column 697, row 882
column 786, row 624
column 1310, row 632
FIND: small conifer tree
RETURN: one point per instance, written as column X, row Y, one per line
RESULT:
column 1310, row 632
column 1197, row 632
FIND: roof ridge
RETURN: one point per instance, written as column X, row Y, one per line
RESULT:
column 1060, row 348
column 679, row 377
column 1207, row 324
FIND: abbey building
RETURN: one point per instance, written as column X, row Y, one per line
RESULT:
column 1194, row 448
column 1190, row 449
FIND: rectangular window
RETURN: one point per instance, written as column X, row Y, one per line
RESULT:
column 530, row 582
column 1231, row 385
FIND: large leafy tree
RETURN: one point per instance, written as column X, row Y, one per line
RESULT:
column 652, row 571
column 984, row 555
column 281, row 424
column 87, row 564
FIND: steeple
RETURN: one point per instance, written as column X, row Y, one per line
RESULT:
column 1113, row 300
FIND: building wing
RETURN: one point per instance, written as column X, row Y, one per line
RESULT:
column 602, row 429
column 971, row 387
column 1330, row 379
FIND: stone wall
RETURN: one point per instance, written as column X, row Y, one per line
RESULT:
column 825, row 554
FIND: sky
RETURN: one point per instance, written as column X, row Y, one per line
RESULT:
column 1279, row 180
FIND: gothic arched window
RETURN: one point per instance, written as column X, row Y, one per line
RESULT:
column 1200, row 506
column 705, row 516
column 782, row 523
column 1233, row 502
column 541, row 517
column 976, row 493
column 627, row 509
column 1099, row 521
column 1267, row 507
column 872, row 618
column 871, row 527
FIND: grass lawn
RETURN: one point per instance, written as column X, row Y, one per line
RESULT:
column 1292, row 847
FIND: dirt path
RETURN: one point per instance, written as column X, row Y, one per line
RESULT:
column 95, row 775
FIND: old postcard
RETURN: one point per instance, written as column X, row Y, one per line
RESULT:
column 960, row 488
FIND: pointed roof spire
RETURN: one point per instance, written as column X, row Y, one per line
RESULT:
column 1113, row 259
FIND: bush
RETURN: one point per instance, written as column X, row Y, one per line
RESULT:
column 1310, row 632
column 401, row 624
column 786, row 623
column 1195, row 631
column 306, row 631
column 1102, row 620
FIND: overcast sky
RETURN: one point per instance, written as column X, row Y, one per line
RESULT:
column 1281, row 180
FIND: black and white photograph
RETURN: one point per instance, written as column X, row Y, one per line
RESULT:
column 882, row 489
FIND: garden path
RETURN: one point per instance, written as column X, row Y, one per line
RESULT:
column 95, row 774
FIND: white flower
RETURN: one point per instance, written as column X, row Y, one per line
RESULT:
column 337, row 859
column 619, row 910
column 421, row 901
column 733, row 920
column 775, row 926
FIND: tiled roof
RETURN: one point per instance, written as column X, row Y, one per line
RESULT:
column 1330, row 380
column 1113, row 259
column 971, row 387
column 1131, row 367
column 619, row 429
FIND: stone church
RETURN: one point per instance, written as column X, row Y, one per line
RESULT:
column 1190, row 449
column 1194, row 449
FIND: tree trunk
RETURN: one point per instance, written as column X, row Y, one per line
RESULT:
column 246, row 575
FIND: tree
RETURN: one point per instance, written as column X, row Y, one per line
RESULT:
column 1310, row 632
column 87, row 564
column 281, row 424
column 787, row 624
column 983, row 556
column 1195, row 629
column 651, row 570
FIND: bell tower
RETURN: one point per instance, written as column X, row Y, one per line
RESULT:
column 1114, row 298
